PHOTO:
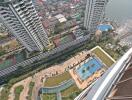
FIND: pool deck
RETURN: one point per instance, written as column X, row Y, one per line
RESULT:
column 89, row 67
column 86, row 79
column 82, row 84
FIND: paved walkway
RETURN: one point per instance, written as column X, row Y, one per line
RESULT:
column 58, row 96
column 24, row 93
column 49, row 72
column 1, row 88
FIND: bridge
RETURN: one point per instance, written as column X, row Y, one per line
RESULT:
column 59, row 88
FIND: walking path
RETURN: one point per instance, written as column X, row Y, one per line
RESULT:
column 24, row 93
column 49, row 72
column 59, row 96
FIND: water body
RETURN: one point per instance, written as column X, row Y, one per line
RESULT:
column 119, row 10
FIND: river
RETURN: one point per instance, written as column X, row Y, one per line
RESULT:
column 119, row 10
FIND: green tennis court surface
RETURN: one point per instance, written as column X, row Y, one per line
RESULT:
column 12, row 60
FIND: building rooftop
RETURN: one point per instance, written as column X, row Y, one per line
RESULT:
column 104, row 27
column 61, row 18
column 115, row 83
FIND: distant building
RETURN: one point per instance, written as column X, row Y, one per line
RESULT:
column 21, row 19
column 9, row 44
column 94, row 14
column 37, row 4
column 103, row 30
column 61, row 18
column 4, row 34
column 104, row 27
column 49, row 24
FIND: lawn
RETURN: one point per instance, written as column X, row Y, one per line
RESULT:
column 103, row 56
column 17, row 92
column 71, row 96
column 2, row 52
column 48, row 97
column 5, row 93
column 70, row 90
column 56, row 80
column 31, row 85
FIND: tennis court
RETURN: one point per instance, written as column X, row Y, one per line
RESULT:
column 12, row 60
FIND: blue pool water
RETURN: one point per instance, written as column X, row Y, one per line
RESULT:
column 104, row 27
column 89, row 68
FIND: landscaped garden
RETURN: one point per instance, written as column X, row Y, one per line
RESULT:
column 88, row 45
column 17, row 92
column 31, row 85
column 107, row 60
column 56, row 80
column 66, row 94
column 69, row 91
column 48, row 96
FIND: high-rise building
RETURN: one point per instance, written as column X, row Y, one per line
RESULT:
column 94, row 13
column 21, row 18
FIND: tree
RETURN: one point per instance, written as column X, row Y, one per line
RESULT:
column 69, row 18
column 124, row 48
column 2, row 52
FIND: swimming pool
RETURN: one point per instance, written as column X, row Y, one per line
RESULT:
column 104, row 27
column 88, row 68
